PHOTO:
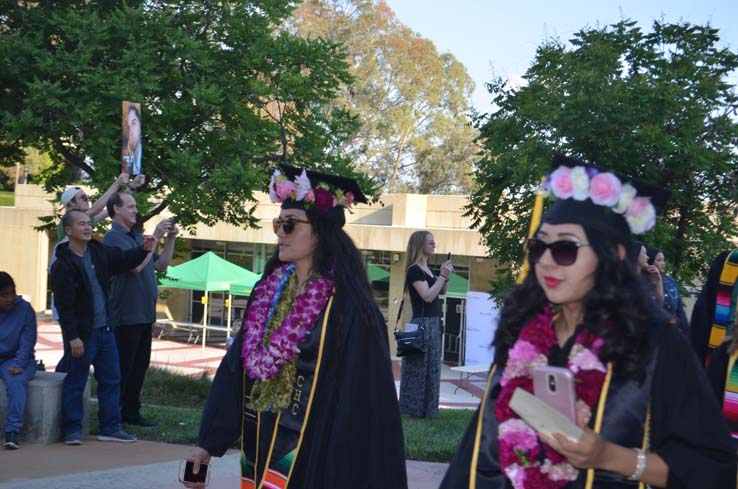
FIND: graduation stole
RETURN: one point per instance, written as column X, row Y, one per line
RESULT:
column 599, row 416
column 282, row 432
column 724, row 301
column 730, row 398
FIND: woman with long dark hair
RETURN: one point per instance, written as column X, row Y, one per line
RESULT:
column 641, row 399
column 307, row 383
column 648, row 271
column 420, row 378
column 672, row 299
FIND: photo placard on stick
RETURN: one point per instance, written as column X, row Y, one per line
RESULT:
column 131, row 149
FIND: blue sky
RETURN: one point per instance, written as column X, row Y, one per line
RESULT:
column 493, row 37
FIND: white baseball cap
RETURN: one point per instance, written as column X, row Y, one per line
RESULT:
column 69, row 194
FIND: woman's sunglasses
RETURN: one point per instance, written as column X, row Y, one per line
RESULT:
column 563, row 252
column 287, row 224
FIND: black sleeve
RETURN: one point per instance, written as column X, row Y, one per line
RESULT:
column 689, row 432
column 415, row 274
column 220, row 425
column 717, row 370
column 122, row 261
column 64, row 284
column 704, row 309
column 367, row 381
column 363, row 437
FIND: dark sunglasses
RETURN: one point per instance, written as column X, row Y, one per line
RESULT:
column 83, row 198
column 287, row 224
column 563, row 252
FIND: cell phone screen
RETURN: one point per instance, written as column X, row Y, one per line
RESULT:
column 189, row 476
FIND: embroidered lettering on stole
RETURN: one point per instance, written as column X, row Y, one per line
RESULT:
column 270, row 442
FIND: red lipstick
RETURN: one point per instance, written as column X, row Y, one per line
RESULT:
column 551, row 282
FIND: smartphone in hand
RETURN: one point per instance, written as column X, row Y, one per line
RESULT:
column 555, row 386
column 186, row 473
column 448, row 257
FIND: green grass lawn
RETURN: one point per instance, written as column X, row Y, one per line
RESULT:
column 7, row 198
column 176, row 402
column 435, row 440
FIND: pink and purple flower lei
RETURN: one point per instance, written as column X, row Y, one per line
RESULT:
column 263, row 360
column 603, row 189
column 526, row 461
column 323, row 197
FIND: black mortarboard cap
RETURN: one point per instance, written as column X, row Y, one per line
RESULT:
column 335, row 215
column 599, row 217
column 345, row 184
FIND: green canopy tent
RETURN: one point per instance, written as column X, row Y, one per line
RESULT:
column 377, row 274
column 458, row 286
column 244, row 287
column 209, row 273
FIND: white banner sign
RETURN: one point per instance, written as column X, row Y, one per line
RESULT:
column 481, row 323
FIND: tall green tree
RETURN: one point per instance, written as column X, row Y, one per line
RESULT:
column 410, row 99
column 658, row 105
column 226, row 92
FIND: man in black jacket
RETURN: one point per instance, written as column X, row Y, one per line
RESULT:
column 80, row 279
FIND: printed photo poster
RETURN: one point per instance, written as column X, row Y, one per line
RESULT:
column 482, row 316
column 131, row 140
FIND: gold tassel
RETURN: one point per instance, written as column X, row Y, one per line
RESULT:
column 535, row 221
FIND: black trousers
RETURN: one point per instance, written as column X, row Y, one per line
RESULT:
column 134, row 351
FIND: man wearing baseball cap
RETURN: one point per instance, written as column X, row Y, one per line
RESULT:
column 75, row 198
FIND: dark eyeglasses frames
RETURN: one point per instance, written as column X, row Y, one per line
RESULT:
column 287, row 224
column 563, row 252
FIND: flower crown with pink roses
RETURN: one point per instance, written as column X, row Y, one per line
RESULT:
column 322, row 196
column 604, row 189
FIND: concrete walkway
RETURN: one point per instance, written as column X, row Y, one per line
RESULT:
column 140, row 465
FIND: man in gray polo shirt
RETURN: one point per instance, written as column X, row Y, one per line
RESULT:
column 133, row 301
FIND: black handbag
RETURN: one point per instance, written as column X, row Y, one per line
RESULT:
column 409, row 342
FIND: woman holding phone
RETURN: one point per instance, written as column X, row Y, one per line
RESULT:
column 642, row 401
column 307, row 384
column 420, row 380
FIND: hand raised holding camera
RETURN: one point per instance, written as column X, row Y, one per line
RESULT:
column 162, row 228
column 138, row 181
column 173, row 229
column 446, row 269
column 122, row 179
column 149, row 243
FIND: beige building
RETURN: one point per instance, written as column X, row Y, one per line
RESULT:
column 381, row 231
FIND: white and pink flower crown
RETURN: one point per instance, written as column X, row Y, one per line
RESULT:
column 603, row 189
column 323, row 197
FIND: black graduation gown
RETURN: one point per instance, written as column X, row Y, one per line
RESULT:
column 717, row 370
column 353, row 438
column 688, row 430
column 703, row 313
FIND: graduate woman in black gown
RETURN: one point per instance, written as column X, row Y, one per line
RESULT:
column 307, row 384
column 642, row 399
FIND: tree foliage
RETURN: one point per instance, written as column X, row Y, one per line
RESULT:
column 226, row 93
column 411, row 101
column 658, row 105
